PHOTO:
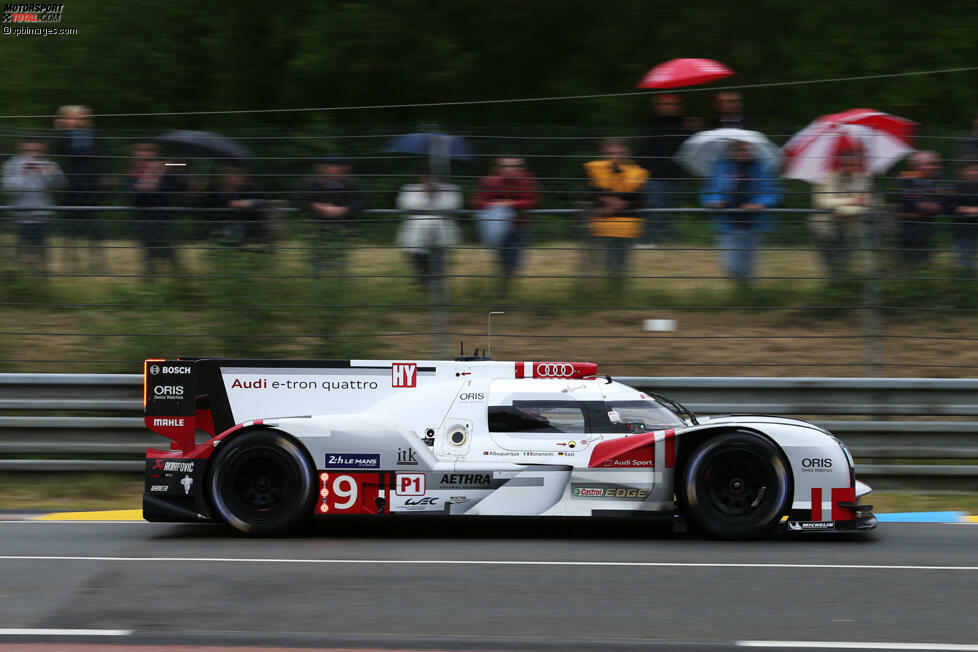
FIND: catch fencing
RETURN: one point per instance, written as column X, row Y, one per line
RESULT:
column 905, row 433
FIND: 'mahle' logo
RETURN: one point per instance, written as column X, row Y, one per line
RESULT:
column 404, row 374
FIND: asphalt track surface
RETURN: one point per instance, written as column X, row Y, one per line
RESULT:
column 484, row 585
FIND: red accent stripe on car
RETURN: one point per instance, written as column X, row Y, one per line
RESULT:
column 816, row 504
column 843, row 495
column 625, row 449
column 670, row 454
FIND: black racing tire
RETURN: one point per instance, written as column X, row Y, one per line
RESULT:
column 262, row 484
column 737, row 485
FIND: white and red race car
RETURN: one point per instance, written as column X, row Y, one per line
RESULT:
column 266, row 444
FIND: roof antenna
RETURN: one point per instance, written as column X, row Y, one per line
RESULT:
column 489, row 333
column 461, row 347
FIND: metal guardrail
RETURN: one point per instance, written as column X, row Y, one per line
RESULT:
column 105, row 420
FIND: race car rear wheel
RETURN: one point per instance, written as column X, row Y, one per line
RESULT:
column 736, row 486
column 261, row 483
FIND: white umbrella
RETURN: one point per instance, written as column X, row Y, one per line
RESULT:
column 700, row 150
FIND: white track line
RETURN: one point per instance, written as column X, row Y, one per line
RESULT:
column 852, row 645
column 480, row 562
column 65, row 632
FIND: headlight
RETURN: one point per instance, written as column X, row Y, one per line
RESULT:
column 852, row 464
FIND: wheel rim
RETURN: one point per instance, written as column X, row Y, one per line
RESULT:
column 260, row 484
column 739, row 484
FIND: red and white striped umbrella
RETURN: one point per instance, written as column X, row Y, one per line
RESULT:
column 883, row 139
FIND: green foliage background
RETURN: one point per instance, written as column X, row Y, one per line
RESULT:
column 173, row 55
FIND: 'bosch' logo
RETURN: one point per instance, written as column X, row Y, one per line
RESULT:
column 555, row 370
column 154, row 370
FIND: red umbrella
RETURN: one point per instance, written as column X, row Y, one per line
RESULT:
column 684, row 72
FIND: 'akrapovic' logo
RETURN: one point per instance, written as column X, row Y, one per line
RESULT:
column 179, row 467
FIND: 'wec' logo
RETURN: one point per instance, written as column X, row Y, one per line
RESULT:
column 404, row 374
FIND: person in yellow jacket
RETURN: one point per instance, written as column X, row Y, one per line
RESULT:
column 615, row 186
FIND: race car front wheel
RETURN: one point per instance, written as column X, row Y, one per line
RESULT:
column 736, row 486
column 261, row 483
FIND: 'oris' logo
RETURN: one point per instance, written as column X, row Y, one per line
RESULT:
column 168, row 390
column 554, row 370
column 817, row 463
column 472, row 396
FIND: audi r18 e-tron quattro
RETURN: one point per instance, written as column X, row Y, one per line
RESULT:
column 265, row 444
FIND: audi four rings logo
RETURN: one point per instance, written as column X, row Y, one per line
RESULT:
column 154, row 370
column 555, row 370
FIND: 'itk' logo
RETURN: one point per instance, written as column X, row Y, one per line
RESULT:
column 407, row 457
column 404, row 374
column 32, row 13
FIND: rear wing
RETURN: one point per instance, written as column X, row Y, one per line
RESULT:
column 168, row 401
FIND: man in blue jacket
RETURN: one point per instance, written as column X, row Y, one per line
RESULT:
column 739, row 181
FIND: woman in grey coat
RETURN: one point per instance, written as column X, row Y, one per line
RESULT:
column 30, row 181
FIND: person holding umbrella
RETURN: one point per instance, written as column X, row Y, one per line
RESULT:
column 665, row 133
column 150, row 185
column 330, row 199
column 746, row 186
column 845, row 194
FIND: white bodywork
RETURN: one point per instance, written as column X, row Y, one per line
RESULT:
column 425, row 424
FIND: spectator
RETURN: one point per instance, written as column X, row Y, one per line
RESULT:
column 615, row 185
column 739, row 181
column 30, row 179
column 428, row 227
column 150, row 185
column 729, row 111
column 923, row 197
column 331, row 200
column 666, row 131
column 76, row 145
column 513, row 188
column 845, row 194
column 965, row 208
column 242, row 225
column 967, row 148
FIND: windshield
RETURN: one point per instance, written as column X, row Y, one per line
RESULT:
column 641, row 416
